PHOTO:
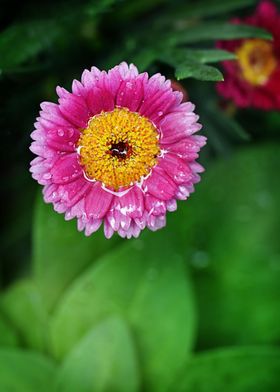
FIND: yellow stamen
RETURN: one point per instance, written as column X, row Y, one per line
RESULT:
column 118, row 148
column 257, row 60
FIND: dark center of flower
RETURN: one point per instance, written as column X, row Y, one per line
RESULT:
column 121, row 150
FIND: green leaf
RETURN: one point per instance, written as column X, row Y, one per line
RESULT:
column 190, row 62
column 60, row 252
column 19, row 43
column 23, row 307
column 232, row 243
column 208, row 55
column 173, row 56
column 23, row 371
column 215, row 31
column 195, row 70
column 206, row 8
column 8, row 336
column 144, row 282
column 104, row 360
column 233, row 370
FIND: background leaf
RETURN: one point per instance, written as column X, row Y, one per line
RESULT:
column 144, row 282
column 232, row 244
column 216, row 31
column 8, row 336
column 24, row 371
column 23, row 306
column 60, row 252
column 234, row 370
column 104, row 360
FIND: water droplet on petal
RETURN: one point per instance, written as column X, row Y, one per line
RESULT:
column 47, row 176
column 60, row 132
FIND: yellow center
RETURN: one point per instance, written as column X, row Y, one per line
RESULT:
column 118, row 148
column 257, row 60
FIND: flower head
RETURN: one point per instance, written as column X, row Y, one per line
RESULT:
column 253, row 80
column 119, row 149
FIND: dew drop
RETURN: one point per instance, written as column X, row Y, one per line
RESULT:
column 60, row 132
column 47, row 176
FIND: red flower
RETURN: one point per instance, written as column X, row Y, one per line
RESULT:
column 254, row 79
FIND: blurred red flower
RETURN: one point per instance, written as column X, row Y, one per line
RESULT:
column 254, row 79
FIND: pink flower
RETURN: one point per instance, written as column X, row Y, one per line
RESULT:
column 119, row 150
column 253, row 80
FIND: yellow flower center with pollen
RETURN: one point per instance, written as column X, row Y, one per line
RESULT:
column 118, row 148
column 257, row 60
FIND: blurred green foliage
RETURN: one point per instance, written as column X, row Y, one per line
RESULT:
column 193, row 307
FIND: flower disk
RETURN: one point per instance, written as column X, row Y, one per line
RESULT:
column 118, row 148
column 256, row 60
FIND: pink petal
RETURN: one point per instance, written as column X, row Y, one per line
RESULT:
column 132, row 203
column 100, row 99
column 73, row 108
column 176, row 168
column 160, row 185
column 97, row 202
column 66, row 169
column 154, row 206
column 176, row 126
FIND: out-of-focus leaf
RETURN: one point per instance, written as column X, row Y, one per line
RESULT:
column 206, row 55
column 204, row 8
column 94, row 8
column 21, row 42
column 8, row 336
column 61, row 252
column 144, row 282
column 104, row 360
column 190, row 69
column 22, row 305
column 226, row 123
column 233, row 245
column 25, row 371
column 215, row 31
column 173, row 56
column 237, row 369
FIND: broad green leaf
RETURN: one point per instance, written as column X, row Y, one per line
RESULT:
column 8, row 336
column 23, row 307
column 104, row 360
column 190, row 63
column 144, row 282
column 215, row 31
column 25, row 371
column 237, row 369
column 233, row 245
column 195, row 70
column 60, row 252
